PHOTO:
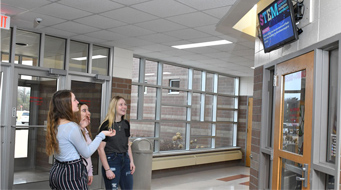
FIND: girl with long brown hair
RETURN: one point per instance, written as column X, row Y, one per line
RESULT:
column 84, row 114
column 65, row 141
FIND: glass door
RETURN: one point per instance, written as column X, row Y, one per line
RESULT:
column 293, row 123
column 33, row 91
column 93, row 92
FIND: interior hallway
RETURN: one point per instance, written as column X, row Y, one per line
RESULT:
column 226, row 178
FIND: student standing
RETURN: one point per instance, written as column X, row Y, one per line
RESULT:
column 65, row 141
column 84, row 114
column 115, row 152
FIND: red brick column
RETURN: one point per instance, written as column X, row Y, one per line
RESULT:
column 256, row 126
column 242, row 126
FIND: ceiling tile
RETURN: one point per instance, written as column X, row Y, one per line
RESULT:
column 106, row 35
column 92, row 6
column 129, row 15
column 204, row 4
column 56, row 32
column 187, row 34
column 158, row 38
column 179, row 53
column 163, row 8
column 10, row 10
column 61, row 11
column 26, row 25
column 100, row 22
column 24, row 4
column 131, row 30
column 46, row 19
column 129, row 2
column 194, row 19
column 194, row 57
column 158, row 47
column 209, row 29
column 134, row 42
column 75, row 27
column 218, row 12
column 160, row 25
column 88, row 39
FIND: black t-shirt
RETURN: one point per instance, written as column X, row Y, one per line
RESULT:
column 119, row 142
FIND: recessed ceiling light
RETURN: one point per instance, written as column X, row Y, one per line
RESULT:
column 21, row 44
column 202, row 44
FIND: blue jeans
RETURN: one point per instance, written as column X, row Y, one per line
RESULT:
column 120, row 164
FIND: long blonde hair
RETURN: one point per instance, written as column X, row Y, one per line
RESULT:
column 111, row 115
column 60, row 108
column 79, row 117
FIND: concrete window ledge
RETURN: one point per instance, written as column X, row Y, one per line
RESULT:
column 167, row 160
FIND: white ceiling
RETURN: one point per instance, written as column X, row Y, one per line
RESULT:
column 147, row 27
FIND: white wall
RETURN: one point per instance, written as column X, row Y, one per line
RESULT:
column 123, row 63
column 326, row 22
column 246, row 86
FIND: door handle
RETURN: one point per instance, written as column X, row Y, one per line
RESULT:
column 300, row 178
column 304, row 176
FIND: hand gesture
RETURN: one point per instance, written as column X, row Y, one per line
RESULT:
column 110, row 133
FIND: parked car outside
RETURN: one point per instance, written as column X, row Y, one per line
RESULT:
column 25, row 117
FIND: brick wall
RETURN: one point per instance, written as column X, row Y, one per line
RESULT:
column 242, row 125
column 256, row 126
column 122, row 87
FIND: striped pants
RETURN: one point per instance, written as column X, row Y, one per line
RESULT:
column 68, row 175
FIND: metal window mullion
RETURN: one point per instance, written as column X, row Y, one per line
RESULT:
column 67, row 54
column 202, row 96
column 214, row 110
column 12, row 46
column 140, row 92
column 89, row 64
column 338, row 137
column 111, row 63
column 235, row 119
column 42, row 50
column 158, row 101
column 158, row 91
column 189, row 109
column 157, row 137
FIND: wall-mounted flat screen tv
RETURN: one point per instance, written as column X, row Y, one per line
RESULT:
column 277, row 26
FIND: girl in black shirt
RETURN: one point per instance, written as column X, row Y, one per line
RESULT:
column 115, row 152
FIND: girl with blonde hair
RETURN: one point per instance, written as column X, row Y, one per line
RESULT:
column 115, row 152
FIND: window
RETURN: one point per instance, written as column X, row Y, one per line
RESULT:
column 5, row 45
column 197, row 117
column 27, row 47
column 174, row 83
column 100, row 60
column 78, row 56
column 54, row 52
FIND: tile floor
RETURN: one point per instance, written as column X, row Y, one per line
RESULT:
column 224, row 178
column 230, row 178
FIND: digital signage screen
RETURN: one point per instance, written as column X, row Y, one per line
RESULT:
column 277, row 26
